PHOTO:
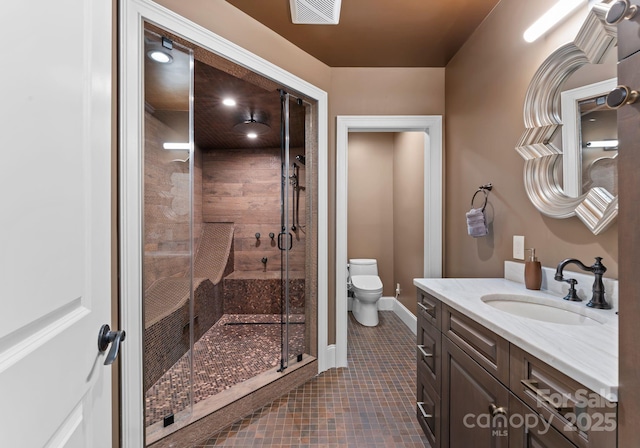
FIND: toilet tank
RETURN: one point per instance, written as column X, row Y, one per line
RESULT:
column 363, row 266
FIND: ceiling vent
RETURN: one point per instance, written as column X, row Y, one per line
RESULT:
column 315, row 12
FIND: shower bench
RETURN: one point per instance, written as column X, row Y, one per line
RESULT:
column 166, row 302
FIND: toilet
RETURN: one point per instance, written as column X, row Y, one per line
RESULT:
column 366, row 288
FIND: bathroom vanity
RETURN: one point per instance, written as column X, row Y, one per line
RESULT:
column 487, row 376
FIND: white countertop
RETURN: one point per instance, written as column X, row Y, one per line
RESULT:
column 586, row 353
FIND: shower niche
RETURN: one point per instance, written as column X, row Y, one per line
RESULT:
column 230, row 253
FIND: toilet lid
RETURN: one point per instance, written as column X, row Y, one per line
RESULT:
column 367, row 282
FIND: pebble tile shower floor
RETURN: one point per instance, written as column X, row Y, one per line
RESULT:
column 369, row 404
column 230, row 352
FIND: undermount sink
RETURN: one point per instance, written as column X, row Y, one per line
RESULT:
column 542, row 309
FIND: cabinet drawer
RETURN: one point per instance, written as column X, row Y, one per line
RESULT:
column 483, row 345
column 531, row 431
column 428, row 352
column 430, row 308
column 428, row 410
column 581, row 415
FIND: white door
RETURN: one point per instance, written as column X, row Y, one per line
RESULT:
column 55, row 144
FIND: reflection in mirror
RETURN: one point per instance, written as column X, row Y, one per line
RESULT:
column 588, row 127
column 599, row 131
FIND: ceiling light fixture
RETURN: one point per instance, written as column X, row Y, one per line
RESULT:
column 160, row 56
column 551, row 18
column 229, row 102
column 176, row 146
column 602, row 144
column 252, row 135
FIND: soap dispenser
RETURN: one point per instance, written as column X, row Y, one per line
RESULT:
column 532, row 272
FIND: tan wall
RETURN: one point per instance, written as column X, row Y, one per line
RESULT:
column 370, row 202
column 375, row 91
column 485, row 87
column 408, row 214
column 386, row 207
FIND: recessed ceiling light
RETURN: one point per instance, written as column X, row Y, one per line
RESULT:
column 229, row 102
column 252, row 135
column 160, row 56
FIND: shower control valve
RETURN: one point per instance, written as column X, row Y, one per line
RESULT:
column 272, row 235
column 258, row 235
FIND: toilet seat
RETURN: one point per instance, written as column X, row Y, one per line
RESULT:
column 367, row 283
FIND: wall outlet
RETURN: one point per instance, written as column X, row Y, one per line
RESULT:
column 518, row 247
column 397, row 289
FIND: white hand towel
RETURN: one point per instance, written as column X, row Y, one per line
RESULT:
column 476, row 223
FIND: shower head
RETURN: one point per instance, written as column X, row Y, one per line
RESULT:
column 300, row 158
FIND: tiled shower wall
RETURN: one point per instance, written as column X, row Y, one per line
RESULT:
column 243, row 186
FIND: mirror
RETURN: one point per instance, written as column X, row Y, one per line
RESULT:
column 555, row 179
column 589, row 138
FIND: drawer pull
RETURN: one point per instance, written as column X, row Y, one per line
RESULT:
column 424, row 413
column 497, row 410
column 532, row 386
column 424, row 354
column 428, row 310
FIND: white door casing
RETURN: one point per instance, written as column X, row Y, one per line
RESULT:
column 132, row 15
column 431, row 125
column 55, row 239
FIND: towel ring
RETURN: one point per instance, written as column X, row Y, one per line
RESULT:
column 485, row 189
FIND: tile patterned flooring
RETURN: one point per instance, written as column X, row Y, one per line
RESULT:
column 230, row 352
column 369, row 404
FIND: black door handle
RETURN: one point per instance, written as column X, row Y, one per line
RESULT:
column 106, row 337
column 289, row 237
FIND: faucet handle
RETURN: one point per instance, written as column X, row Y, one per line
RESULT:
column 572, row 295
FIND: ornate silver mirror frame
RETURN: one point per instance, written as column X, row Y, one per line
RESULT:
column 597, row 208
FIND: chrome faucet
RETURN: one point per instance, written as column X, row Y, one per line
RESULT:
column 597, row 299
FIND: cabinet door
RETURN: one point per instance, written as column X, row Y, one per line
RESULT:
column 530, row 430
column 474, row 403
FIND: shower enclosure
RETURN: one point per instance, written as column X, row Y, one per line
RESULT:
column 228, row 238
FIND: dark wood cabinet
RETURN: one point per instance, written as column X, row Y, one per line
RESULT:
column 628, row 234
column 533, row 431
column 475, row 389
column 428, row 410
column 474, row 403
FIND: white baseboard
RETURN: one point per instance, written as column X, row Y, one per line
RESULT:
column 386, row 303
column 328, row 361
column 409, row 319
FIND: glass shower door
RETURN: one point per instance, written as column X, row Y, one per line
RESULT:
column 168, row 232
column 292, row 238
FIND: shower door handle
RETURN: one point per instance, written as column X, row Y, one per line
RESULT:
column 106, row 337
column 289, row 237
